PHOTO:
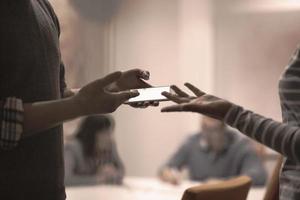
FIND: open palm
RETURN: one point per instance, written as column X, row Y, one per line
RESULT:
column 202, row 103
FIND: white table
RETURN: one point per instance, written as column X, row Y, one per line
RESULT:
column 140, row 189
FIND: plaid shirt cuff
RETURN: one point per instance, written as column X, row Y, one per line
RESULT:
column 12, row 117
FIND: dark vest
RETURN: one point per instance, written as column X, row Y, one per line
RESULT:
column 30, row 69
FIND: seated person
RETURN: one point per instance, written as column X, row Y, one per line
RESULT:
column 91, row 157
column 215, row 153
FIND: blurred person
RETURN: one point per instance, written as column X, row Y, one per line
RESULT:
column 34, row 100
column 91, row 157
column 215, row 153
column 283, row 137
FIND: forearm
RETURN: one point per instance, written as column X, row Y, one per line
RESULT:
column 43, row 115
column 281, row 137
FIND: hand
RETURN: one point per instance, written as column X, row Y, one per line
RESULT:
column 133, row 79
column 201, row 103
column 109, row 174
column 108, row 170
column 94, row 98
column 170, row 176
column 68, row 92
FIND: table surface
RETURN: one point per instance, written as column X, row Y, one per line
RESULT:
column 137, row 188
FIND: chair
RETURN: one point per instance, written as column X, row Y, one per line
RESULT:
column 233, row 189
column 272, row 192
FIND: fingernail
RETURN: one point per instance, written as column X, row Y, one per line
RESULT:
column 146, row 75
column 135, row 92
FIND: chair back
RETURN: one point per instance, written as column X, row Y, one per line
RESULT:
column 233, row 189
column 272, row 192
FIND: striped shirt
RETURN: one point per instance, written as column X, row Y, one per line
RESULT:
column 282, row 137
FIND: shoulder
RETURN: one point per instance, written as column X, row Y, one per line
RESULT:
column 191, row 141
column 193, row 138
column 46, row 5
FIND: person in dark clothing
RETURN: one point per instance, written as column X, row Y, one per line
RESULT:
column 34, row 100
column 91, row 157
column 216, row 153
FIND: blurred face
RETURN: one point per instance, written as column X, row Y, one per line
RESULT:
column 104, row 140
column 213, row 131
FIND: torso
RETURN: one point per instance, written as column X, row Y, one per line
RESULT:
column 204, row 164
column 289, row 91
column 30, row 70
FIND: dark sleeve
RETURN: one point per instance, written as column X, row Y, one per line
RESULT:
column 179, row 159
column 283, row 138
column 251, row 165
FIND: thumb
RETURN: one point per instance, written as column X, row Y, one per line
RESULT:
column 126, row 95
column 109, row 79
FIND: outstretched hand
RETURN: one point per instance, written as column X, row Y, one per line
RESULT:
column 202, row 103
column 95, row 98
column 133, row 79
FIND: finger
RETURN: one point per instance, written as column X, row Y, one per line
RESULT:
column 136, row 105
column 144, row 74
column 139, row 105
column 126, row 95
column 173, row 97
column 109, row 79
column 154, row 103
column 145, row 104
column 143, row 84
column 178, row 91
column 194, row 89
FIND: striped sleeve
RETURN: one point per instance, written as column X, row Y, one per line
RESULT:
column 283, row 138
column 11, row 123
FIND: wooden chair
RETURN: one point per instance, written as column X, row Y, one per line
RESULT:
column 272, row 192
column 233, row 189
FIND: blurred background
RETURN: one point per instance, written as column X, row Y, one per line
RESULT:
column 232, row 48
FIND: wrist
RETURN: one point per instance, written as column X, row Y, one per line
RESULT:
column 76, row 105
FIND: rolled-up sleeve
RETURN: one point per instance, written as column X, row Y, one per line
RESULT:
column 11, row 123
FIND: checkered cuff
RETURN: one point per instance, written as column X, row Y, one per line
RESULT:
column 12, row 117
